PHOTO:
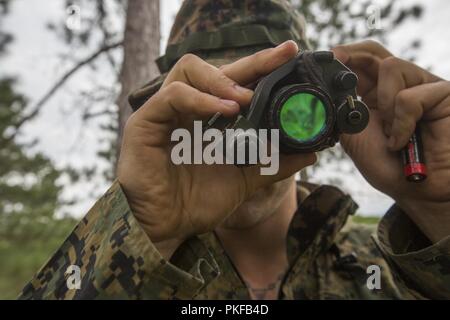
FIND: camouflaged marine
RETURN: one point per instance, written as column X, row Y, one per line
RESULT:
column 328, row 254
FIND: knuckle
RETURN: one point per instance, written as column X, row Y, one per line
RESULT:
column 223, row 67
column 171, row 91
column 174, row 88
column 222, row 78
column 341, row 47
column 222, row 81
column 402, row 99
column 187, row 60
column 399, row 112
column 389, row 63
column 373, row 43
column 218, row 82
column 196, row 98
column 405, row 115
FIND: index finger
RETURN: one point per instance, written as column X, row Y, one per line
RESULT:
column 361, row 52
column 364, row 58
column 249, row 69
column 426, row 101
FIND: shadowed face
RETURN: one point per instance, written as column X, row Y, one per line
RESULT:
column 260, row 206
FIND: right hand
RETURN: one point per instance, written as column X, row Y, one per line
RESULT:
column 174, row 202
column 400, row 94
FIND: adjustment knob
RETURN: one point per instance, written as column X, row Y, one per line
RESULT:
column 352, row 116
column 345, row 80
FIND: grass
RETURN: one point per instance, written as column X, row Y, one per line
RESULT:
column 22, row 258
column 366, row 219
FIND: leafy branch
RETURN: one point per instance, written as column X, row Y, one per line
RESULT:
column 62, row 80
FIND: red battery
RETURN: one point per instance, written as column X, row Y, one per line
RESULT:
column 414, row 167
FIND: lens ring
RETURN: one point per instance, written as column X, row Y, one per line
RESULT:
column 318, row 121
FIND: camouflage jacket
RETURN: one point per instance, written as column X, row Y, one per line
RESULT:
column 328, row 256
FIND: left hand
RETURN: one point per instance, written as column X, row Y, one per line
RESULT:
column 399, row 94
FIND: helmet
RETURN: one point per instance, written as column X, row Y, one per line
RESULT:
column 222, row 31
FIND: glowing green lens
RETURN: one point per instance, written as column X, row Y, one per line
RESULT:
column 303, row 116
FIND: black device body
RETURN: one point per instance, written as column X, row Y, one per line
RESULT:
column 317, row 74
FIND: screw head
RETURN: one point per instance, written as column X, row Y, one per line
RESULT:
column 354, row 117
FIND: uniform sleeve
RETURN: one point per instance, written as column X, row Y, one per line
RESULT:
column 117, row 260
column 420, row 268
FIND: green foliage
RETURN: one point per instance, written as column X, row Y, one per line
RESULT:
column 23, row 255
column 27, row 181
column 332, row 22
column 366, row 220
column 29, row 195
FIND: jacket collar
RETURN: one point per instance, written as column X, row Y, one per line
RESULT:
column 319, row 218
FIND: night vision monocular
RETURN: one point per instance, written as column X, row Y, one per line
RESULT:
column 311, row 100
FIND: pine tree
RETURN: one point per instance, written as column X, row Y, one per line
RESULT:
column 29, row 198
column 28, row 189
column 29, row 194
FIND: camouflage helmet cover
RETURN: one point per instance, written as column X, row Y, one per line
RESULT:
column 222, row 31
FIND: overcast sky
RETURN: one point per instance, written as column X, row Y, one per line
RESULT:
column 35, row 58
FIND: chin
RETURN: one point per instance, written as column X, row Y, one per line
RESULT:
column 262, row 205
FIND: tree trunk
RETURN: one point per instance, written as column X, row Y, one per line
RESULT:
column 140, row 49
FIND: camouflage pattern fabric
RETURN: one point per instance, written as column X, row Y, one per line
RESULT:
column 328, row 256
column 222, row 31
column 210, row 15
column 328, row 253
column 210, row 26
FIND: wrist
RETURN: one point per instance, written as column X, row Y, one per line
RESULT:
column 163, row 241
column 432, row 218
column 166, row 245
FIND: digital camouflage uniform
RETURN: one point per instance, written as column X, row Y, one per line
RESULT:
column 328, row 253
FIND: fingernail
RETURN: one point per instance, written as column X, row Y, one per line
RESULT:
column 229, row 103
column 282, row 44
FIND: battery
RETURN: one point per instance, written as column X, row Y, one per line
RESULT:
column 414, row 167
